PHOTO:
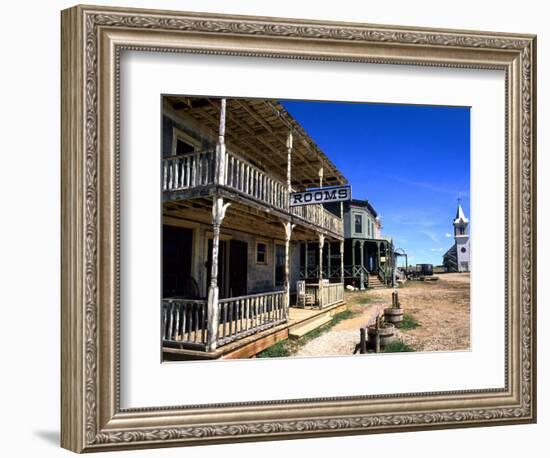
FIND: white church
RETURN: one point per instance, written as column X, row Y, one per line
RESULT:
column 457, row 258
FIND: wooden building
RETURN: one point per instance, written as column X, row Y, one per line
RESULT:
column 369, row 256
column 232, row 246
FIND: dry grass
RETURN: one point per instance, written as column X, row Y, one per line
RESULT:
column 442, row 308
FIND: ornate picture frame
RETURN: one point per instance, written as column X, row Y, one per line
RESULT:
column 92, row 40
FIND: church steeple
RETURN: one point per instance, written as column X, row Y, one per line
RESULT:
column 460, row 222
column 457, row 258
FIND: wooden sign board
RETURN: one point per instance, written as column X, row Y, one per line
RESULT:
column 320, row 195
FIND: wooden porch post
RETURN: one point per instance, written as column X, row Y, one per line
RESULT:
column 329, row 263
column 219, row 175
column 393, row 264
column 362, row 275
column 321, row 244
column 342, row 261
column 289, row 161
column 352, row 255
column 288, row 233
column 218, row 213
column 305, row 260
column 288, row 225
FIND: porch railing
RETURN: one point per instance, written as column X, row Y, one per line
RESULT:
column 246, row 315
column 334, row 272
column 385, row 273
column 184, row 321
column 332, row 293
column 197, row 169
column 328, row 294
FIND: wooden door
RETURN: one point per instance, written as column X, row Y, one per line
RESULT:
column 223, row 289
column 177, row 249
column 238, row 262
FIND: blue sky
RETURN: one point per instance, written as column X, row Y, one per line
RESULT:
column 411, row 162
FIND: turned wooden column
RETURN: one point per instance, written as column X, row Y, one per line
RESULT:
column 219, row 207
column 218, row 213
column 378, row 259
column 342, row 261
column 305, row 260
column 362, row 274
column 288, row 225
column 329, row 263
column 219, row 167
column 289, row 141
column 288, row 233
column 321, row 244
column 352, row 256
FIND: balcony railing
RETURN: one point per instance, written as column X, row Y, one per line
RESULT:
column 244, row 177
column 197, row 169
column 319, row 216
column 187, row 171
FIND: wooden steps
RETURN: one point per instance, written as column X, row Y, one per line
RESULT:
column 300, row 330
column 375, row 282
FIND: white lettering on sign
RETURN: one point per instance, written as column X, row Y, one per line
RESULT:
column 320, row 196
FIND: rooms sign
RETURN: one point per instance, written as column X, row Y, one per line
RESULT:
column 320, row 195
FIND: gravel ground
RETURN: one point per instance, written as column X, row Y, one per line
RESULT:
column 332, row 343
column 342, row 338
column 442, row 309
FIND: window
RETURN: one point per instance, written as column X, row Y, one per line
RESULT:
column 183, row 143
column 279, row 265
column 261, row 253
column 463, row 250
column 183, row 147
column 358, row 224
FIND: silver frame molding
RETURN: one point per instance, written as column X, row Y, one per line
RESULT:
column 92, row 39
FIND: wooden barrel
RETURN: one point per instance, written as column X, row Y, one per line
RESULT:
column 386, row 334
column 393, row 315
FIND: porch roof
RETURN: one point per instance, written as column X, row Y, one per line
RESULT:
column 258, row 128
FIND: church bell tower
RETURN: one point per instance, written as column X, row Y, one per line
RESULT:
column 462, row 240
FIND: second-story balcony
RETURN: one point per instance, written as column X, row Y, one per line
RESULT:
column 185, row 175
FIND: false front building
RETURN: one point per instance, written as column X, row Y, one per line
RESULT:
column 231, row 243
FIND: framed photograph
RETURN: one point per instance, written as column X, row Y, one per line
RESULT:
column 278, row 228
